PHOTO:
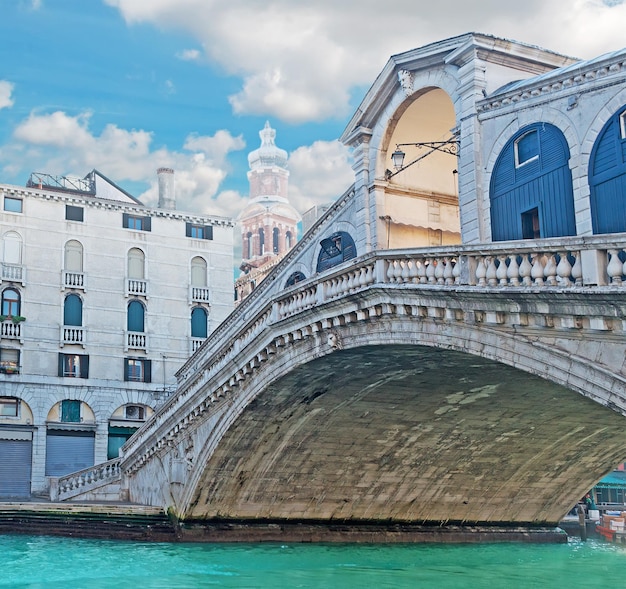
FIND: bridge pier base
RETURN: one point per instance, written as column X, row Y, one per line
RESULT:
column 363, row 533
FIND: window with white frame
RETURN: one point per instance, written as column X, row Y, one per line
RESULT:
column 73, row 256
column 74, row 365
column 11, row 302
column 622, row 125
column 136, row 264
column 198, row 272
column 9, row 361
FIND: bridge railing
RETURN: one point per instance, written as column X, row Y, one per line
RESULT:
column 77, row 483
column 586, row 263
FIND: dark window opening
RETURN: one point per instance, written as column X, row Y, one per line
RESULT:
column 136, row 222
column 137, row 370
column 199, row 231
column 334, row 250
column 530, row 224
column 70, row 411
column 295, row 277
column 73, row 213
column 74, row 365
column 9, row 361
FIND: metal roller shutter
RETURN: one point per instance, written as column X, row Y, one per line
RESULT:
column 15, row 468
column 68, row 451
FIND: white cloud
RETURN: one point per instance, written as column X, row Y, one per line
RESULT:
column 319, row 173
column 298, row 61
column 62, row 144
column 6, row 90
column 189, row 55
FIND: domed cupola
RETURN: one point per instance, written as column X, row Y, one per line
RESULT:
column 268, row 155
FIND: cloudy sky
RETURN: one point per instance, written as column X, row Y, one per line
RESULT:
column 126, row 86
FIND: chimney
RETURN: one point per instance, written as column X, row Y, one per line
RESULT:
column 167, row 197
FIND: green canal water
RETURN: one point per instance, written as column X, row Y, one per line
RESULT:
column 62, row 563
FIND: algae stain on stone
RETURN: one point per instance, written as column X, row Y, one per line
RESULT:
column 465, row 398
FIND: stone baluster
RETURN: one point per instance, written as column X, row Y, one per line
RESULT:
column 564, row 269
column 615, row 267
column 577, row 269
column 448, row 275
column 430, row 272
column 390, row 270
column 501, row 272
column 413, row 275
column 421, row 271
column 456, row 271
column 537, row 270
column 525, row 271
column 491, row 276
column 481, row 272
column 512, row 272
column 549, row 270
column 439, row 271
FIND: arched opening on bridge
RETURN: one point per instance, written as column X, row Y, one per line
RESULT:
column 420, row 203
column 531, row 189
column 409, row 433
column 607, row 176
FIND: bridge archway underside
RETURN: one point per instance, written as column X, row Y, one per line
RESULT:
column 408, row 433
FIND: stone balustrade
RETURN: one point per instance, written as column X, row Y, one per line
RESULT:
column 254, row 332
column 136, row 340
column 136, row 287
column 10, row 330
column 83, row 481
column 13, row 272
column 75, row 280
column 73, row 335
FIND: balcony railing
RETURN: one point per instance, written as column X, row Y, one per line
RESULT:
column 136, row 340
column 11, row 330
column 136, row 287
column 71, row 334
column 196, row 342
column 14, row 273
column 199, row 294
column 76, row 280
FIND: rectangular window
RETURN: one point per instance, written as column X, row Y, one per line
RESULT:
column 135, row 412
column 9, row 361
column 70, row 411
column 13, row 205
column 74, row 365
column 73, row 213
column 136, row 222
column 622, row 125
column 531, row 228
column 527, row 148
column 9, row 407
column 137, row 370
column 199, row 231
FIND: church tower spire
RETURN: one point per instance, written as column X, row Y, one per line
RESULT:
column 268, row 223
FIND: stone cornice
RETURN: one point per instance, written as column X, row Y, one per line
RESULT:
column 588, row 78
column 113, row 205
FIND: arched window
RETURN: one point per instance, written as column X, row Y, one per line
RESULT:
column 11, row 302
column 73, row 310
column 249, row 245
column 335, row 249
column 531, row 191
column 607, row 176
column 293, row 278
column 136, row 313
column 288, row 238
column 261, row 242
column 73, row 256
column 275, row 239
column 12, row 243
column 198, row 322
column 198, row 272
column 136, row 264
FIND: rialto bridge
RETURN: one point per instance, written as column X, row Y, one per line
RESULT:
column 381, row 371
column 444, row 384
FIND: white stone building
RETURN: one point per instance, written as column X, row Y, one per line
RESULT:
column 103, row 299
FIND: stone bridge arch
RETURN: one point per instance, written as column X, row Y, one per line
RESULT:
column 552, row 447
